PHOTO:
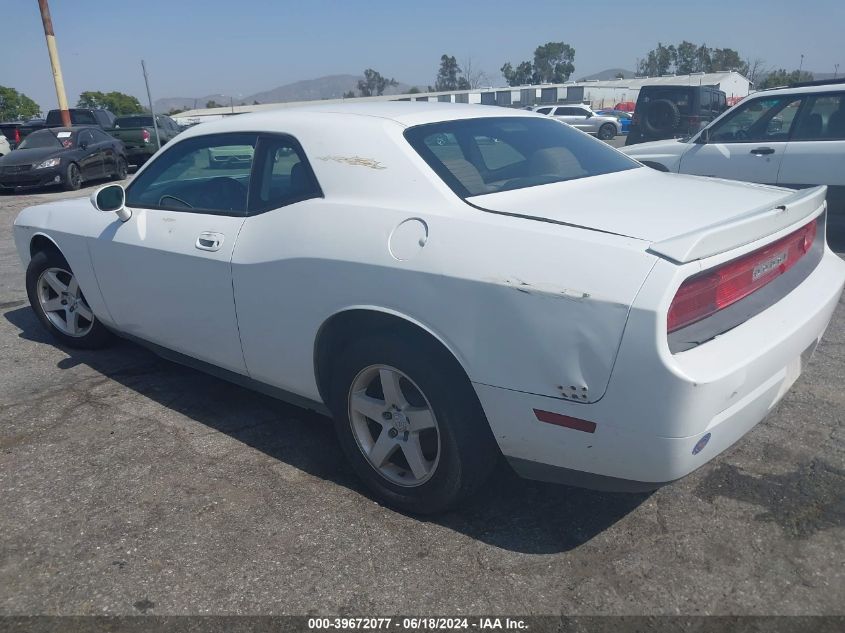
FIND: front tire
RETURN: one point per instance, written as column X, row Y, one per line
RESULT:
column 121, row 170
column 59, row 304
column 73, row 177
column 409, row 422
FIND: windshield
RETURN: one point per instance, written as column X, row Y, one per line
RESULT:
column 486, row 155
column 39, row 139
column 134, row 121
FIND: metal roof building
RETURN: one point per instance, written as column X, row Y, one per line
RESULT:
column 600, row 94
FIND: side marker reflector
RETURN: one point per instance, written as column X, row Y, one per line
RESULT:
column 565, row 420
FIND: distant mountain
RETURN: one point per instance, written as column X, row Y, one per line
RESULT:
column 329, row 87
column 610, row 73
column 189, row 103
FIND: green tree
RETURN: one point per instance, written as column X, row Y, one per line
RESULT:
column 521, row 75
column 374, row 83
column 620, row 75
column 117, row 102
column 16, row 105
column 414, row 90
column 173, row 111
column 350, row 94
column 658, row 61
column 727, row 59
column 213, row 104
column 553, row 62
column 781, row 77
column 686, row 61
column 447, row 75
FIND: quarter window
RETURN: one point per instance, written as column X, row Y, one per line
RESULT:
column 205, row 174
column 283, row 175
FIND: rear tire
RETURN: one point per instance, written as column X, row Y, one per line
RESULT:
column 59, row 304
column 442, row 422
column 607, row 131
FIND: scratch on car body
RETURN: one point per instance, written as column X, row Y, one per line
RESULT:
column 354, row 160
column 543, row 289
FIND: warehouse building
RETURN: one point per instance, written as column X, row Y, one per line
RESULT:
column 599, row 94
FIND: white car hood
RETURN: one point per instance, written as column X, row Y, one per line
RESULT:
column 660, row 207
column 670, row 147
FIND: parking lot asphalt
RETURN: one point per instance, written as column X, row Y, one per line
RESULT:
column 133, row 485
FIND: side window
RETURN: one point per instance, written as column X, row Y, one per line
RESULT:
column 823, row 119
column 101, row 137
column 85, row 138
column 543, row 110
column 765, row 119
column 282, row 175
column 562, row 111
column 204, row 174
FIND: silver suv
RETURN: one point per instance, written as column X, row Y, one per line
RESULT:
column 582, row 117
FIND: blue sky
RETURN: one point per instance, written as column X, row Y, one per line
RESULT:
column 195, row 48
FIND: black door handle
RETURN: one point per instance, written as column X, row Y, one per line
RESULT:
column 760, row 151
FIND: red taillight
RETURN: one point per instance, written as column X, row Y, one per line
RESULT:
column 145, row 134
column 706, row 293
column 17, row 135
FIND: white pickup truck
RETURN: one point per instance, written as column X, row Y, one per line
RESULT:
column 792, row 137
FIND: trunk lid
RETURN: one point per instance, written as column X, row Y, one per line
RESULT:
column 682, row 217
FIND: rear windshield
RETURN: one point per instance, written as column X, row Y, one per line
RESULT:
column 41, row 138
column 486, row 155
column 134, row 121
column 77, row 117
column 680, row 96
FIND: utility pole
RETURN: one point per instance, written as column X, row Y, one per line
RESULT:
column 835, row 70
column 801, row 67
column 54, row 61
column 150, row 99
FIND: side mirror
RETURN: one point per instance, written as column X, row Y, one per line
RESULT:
column 111, row 198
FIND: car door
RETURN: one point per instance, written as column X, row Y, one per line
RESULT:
column 746, row 144
column 816, row 151
column 576, row 117
column 106, row 148
column 91, row 160
column 165, row 274
column 269, row 270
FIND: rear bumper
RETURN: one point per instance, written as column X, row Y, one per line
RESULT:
column 651, row 424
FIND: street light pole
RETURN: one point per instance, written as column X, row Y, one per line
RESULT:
column 54, row 61
column 150, row 99
column 801, row 67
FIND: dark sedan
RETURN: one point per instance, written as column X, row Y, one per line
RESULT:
column 65, row 156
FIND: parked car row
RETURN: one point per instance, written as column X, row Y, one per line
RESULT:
column 97, row 145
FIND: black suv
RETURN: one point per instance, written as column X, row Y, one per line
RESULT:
column 674, row 111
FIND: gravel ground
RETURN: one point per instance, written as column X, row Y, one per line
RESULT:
column 132, row 485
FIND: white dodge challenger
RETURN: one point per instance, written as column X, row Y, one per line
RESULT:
column 451, row 283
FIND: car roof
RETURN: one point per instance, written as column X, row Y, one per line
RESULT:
column 833, row 87
column 402, row 113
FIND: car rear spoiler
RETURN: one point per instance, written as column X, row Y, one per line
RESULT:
column 744, row 229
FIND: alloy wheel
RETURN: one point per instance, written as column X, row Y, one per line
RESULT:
column 63, row 303
column 394, row 425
